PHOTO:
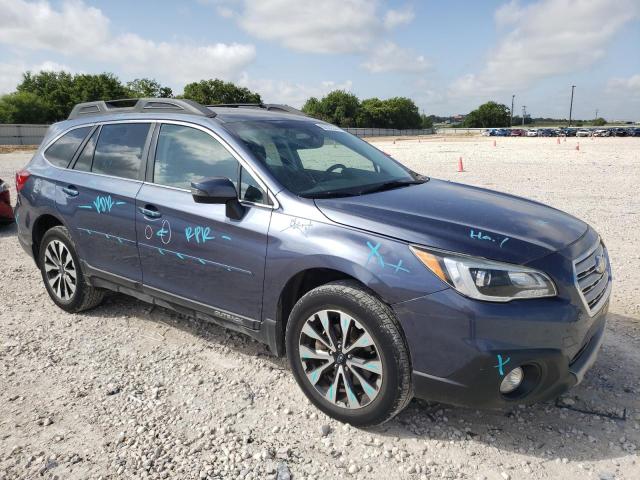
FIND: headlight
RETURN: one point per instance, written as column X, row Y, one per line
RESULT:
column 485, row 279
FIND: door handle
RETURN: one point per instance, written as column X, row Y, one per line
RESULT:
column 71, row 191
column 149, row 211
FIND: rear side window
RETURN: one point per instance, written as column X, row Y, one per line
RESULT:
column 63, row 150
column 185, row 154
column 119, row 149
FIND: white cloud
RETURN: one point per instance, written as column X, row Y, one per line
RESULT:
column 395, row 18
column 329, row 26
column 625, row 87
column 389, row 57
column 83, row 32
column 291, row 93
column 11, row 73
column 545, row 39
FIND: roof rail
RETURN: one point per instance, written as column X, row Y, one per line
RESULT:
column 139, row 105
column 265, row 106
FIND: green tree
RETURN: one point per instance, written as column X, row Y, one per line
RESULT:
column 490, row 114
column 403, row 113
column 210, row 92
column 60, row 91
column 426, row 121
column 338, row 107
column 23, row 107
column 148, row 88
column 599, row 122
column 373, row 113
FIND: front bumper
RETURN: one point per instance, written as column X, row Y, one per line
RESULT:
column 549, row 372
column 461, row 349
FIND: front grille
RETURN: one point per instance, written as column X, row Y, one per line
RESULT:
column 593, row 277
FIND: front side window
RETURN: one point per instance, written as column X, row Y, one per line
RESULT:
column 186, row 154
column 119, row 149
column 319, row 160
column 63, row 150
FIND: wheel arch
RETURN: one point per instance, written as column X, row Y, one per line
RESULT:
column 41, row 225
column 297, row 286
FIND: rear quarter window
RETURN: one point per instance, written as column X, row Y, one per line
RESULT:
column 119, row 149
column 63, row 149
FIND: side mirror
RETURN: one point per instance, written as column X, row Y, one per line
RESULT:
column 218, row 190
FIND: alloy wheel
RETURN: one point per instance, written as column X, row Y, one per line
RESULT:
column 60, row 270
column 340, row 359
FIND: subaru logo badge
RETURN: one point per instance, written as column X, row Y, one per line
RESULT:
column 601, row 264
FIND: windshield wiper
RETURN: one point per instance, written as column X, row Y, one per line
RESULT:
column 329, row 194
column 380, row 187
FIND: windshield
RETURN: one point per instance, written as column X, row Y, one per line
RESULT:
column 320, row 160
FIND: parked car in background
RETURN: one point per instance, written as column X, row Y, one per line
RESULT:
column 583, row 132
column 602, row 132
column 532, row 132
column 636, row 131
column 619, row 132
column 488, row 132
column 6, row 210
column 377, row 283
column 517, row 132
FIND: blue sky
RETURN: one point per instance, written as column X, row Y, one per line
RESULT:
column 448, row 56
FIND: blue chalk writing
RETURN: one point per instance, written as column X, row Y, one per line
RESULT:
column 102, row 204
column 226, row 237
column 501, row 364
column 374, row 253
column 398, row 267
column 482, row 236
column 201, row 261
column 198, row 234
column 108, row 236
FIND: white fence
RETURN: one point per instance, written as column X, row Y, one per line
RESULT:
column 14, row 134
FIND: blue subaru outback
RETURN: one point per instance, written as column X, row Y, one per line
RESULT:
column 379, row 284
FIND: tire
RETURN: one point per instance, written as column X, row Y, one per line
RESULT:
column 57, row 248
column 316, row 365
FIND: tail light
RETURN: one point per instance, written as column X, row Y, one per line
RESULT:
column 21, row 179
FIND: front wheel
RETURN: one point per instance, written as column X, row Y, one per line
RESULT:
column 348, row 355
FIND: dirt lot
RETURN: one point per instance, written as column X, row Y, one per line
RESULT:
column 130, row 391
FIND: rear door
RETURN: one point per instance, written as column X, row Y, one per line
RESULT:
column 194, row 251
column 98, row 195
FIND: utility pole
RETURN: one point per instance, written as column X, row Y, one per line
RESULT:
column 596, row 113
column 511, row 119
column 524, row 113
column 571, row 105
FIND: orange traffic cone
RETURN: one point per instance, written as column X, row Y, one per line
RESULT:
column 578, row 146
column 494, row 143
column 558, row 140
column 460, row 166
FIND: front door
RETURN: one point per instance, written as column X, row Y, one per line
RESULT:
column 194, row 250
column 97, row 196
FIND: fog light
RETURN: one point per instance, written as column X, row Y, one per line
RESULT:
column 512, row 380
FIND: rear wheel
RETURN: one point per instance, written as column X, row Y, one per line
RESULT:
column 348, row 355
column 60, row 268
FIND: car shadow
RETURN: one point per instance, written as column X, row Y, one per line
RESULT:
column 10, row 230
column 585, row 425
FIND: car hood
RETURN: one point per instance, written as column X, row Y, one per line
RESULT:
column 460, row 218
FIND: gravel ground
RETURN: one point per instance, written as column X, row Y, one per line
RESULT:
column 131, row 391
